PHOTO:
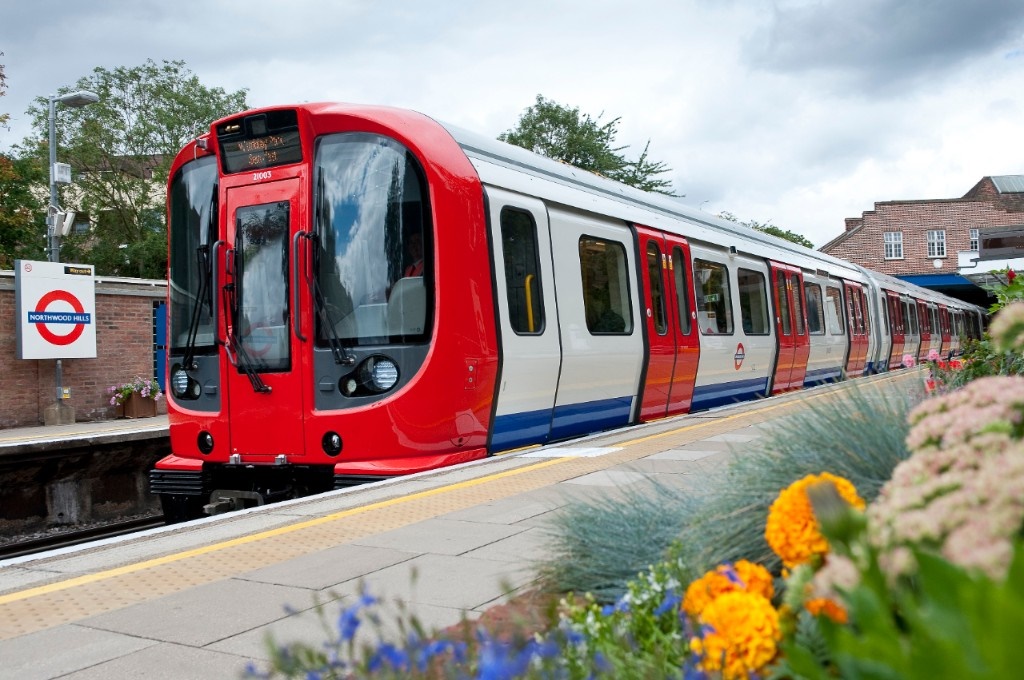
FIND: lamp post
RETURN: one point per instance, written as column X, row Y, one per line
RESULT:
column 74, row 99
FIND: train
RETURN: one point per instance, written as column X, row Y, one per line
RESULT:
column 359, row 292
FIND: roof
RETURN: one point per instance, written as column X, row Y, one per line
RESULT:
column 1008, row 184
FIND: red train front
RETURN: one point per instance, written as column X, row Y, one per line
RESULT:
column 310, row 344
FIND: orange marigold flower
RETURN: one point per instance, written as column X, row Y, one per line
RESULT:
column 792, row 530
column 739, row 635
column 827, row 606
column 727, row 578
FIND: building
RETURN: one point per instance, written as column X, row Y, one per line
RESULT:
column 933, row 242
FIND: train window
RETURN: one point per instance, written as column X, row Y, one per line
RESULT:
column 783, row 300
column 714, row 300
column 261, row 242
column 682, row 290
column 657, row 288
column 798, row 304
column 915, row 326
column 522, row 271
column 374, row 256
column 753, row 302
column 815, row 310
column 867, row 316
column 192, row 230
column 605, row 286
column 834, row 311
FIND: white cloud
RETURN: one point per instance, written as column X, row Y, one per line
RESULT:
column 801, row 113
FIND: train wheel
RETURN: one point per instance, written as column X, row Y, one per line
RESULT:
column 180, row 508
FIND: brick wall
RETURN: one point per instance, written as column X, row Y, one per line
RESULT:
column 124, row 349
column 982, row 207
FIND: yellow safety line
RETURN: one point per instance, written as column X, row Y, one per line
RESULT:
column 270, row 533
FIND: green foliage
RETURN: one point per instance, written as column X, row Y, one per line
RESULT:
column 980, row 358
column 858, row 435
column 121, row 148
column 771, row 229
column 641, row 636
column 22, row 214
column 1011, row 291
column 598, row 545
column 947, row 622
column 4, row 117
column 564, row 134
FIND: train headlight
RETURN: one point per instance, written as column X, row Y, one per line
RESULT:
column 383, row 374
column 179, row 382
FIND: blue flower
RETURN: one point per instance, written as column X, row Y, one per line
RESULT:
column 669, row 603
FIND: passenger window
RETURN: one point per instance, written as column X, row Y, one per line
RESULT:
column 798, row 305
column 834, row 311
column 714, row 304
column 753, row 302
column 657, row 289
column 682, row 290
column 815, row 309
column 867, row 317
column 522, row 272
column 605, row 286
column 783, row 298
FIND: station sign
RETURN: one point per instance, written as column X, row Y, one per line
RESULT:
column 55, row 309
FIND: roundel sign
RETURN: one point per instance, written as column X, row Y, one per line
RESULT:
column 56, row 310
column 739, row 356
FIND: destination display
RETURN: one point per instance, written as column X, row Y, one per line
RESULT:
column 260, row 141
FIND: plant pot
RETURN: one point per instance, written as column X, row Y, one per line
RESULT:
column 137, row 406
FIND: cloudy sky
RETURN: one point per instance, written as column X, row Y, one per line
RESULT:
column 795, row 112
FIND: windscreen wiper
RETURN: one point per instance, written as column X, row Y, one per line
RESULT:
column 235, row 350
column 341, row 355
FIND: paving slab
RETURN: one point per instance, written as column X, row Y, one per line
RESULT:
column 440, row 536
column 58, row 651
column 167, row 661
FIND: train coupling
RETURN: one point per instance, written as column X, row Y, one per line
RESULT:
column 229, row 500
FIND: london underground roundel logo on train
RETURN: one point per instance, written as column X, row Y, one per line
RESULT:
column 739, row 356
column 43, row 317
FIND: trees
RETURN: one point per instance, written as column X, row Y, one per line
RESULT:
column 22, row 216
column 120, row 150
column 769, row 228
column 566, row 135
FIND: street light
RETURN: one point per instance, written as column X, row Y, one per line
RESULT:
column 75, row 100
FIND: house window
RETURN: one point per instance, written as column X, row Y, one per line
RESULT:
column 893, row 245
column 937, row 243
column 974, row 240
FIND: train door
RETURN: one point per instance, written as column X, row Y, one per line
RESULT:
column 264, row 387
column 600, row 322
column 913, row 331
column 896, row 329
column 673, row 351
column 856, row 323
column 925, row 329
column 527, row 318
column 790, row 326
column 946, row 344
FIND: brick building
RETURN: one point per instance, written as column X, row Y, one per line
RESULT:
column 125, row 316
column 926, row 241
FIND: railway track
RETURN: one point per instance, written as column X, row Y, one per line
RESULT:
column 64, row 539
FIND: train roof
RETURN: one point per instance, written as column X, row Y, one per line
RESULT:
column 519, row 169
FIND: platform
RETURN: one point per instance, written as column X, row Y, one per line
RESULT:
column 198, row 600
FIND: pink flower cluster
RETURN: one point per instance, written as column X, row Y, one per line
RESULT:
column 961, row 493
column 144, row 387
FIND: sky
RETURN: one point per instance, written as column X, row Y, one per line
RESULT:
column 797, row 113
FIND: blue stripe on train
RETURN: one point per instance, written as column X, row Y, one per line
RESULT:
column 536, row 427
column 823, row 375
column 720, row 394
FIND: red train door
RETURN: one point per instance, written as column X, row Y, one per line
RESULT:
column 793, row 341
column 896, row 328
column 947, row 336
column 672, row 344
column 856, row 313
column 264, row 386
column 925, row 330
